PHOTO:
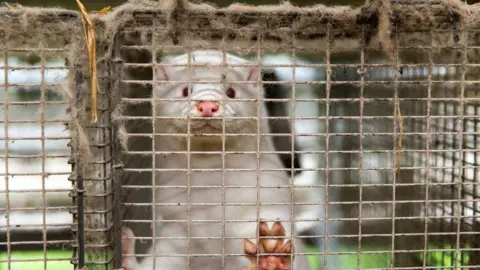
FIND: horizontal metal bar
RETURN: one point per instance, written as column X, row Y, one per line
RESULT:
column 37, row 208
column 44, row 84
column 40, row 190
column 299, row 47
column 46, row 174
column 302, row 253
column 42, row 156
column 416, row 184
column 34, row 103
column 50, row 138
column 34, row 67
column 452, row 100
column 44, row 122
column 332, row 134
column 419, row 151
column 49, row 259
column 36, row 226
column 331, row 65
column 400, row 82
column 30, row 49
column 313, row 204
column 300, row 169
column 334, row 236
column 365, row 117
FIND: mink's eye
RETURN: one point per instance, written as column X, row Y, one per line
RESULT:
column 230, row 92
column 185, row 92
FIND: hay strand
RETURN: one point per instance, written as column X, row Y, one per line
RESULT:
column 12, row 6
column 89, row 32
column 104, row 10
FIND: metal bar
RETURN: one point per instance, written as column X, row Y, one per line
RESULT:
column 79, row 189
column 328, row 73
column 459, row 180
column 361, row 169
column 7, row 188
column 117, row 167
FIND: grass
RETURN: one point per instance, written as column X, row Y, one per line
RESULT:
column 350, row 260
column 33, row 260
column 445, row 258
column 441, row 258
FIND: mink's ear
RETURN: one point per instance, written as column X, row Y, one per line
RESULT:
column 161, row 74
column 253, row 75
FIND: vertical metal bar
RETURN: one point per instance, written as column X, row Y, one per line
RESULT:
column 292, row 165
column 101, row 138
column 450, row 109
column 43, row 89
column 7, row 188
column 74, row 212
column 79, row 191
column 224, row 82
column 257, row 152
column 360, row 125
column 328, row 88
column 395, row 135
column 443, row 124
column 459, row 180
column 475, row 241
column 189, row 162
column 463, row 178
column 427, row 154
column 154, row 145
column 117, row 168
column 464, row 148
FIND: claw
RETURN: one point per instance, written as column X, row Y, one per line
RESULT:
column 270, row 245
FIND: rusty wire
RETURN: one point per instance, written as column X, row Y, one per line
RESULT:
column 35, row 174
column 435, row 199
column 424, row 137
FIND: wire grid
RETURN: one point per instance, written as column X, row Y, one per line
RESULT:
column 428, row 206
column 54, row 201
column 444, row 170
column 430, row 90
column 35, row 185
column 94, row 177
column 349, row 166
column 132, row 172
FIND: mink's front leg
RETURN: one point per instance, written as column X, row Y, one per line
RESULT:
column 128, row 247
column 280, row 257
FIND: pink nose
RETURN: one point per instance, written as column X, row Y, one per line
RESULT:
column 207, row 108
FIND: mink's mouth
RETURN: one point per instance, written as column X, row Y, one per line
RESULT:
column 206, row 126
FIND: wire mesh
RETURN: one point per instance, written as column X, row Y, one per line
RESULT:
column 386, row 140
column 55, row 200
column 35, row 185
column 96, row 236
column 375, row 128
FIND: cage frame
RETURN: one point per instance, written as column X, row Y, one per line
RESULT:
column 176, row 11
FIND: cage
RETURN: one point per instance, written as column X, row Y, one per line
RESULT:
column 368, row 115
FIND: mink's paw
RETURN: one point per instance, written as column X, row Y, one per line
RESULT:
column 281, row 250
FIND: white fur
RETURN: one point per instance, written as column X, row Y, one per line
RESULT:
column 241, row 220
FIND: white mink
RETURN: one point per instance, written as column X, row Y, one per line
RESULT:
column 209, row 100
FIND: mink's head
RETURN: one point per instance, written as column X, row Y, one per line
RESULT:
column 206, row 92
